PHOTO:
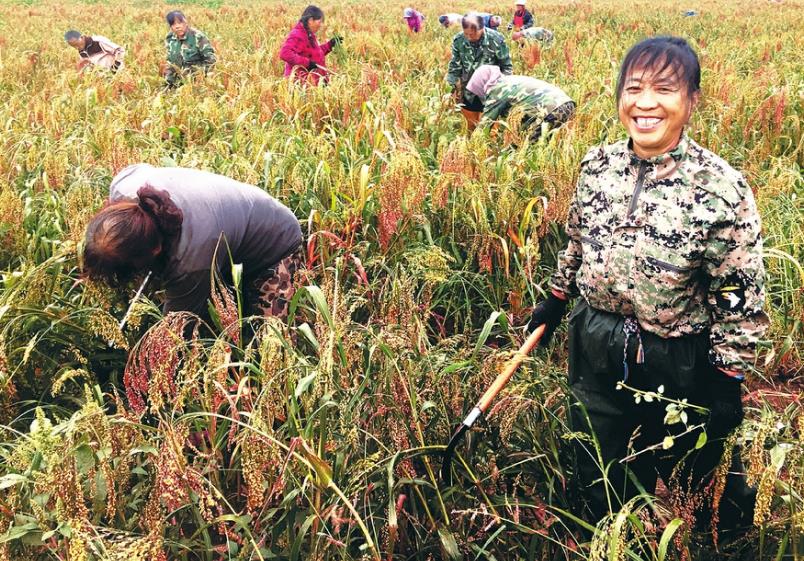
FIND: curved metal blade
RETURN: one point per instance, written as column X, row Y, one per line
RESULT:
column 474, row 415
column 449, row 452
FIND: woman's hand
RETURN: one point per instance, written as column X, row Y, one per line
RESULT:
column 549, row 313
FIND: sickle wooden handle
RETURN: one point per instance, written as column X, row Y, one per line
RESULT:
column 502, row 379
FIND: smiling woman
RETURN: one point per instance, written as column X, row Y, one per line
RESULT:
column 658, row 88
column 665, row 251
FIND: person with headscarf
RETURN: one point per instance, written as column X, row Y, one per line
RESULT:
column 95, row 50
column 543, row 105
column 450, row 19
column 303, row 55
column 475, row 46
column 414, row 19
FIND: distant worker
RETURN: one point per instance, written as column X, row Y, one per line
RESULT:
column 414, row 19
column 489, row 20
column 95, row 50
column 188, row 50
column 472, row 48
column 448, row 20
column 533, row 35
column 523, row 19
column 186, row 224
column 543, row 105
column 301, row 52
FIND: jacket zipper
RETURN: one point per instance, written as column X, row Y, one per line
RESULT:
column 592, row 241
column 667, row 266
column 643, row 167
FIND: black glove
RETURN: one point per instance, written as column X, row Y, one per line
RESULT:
column 550, row 312
column 335, row 41
column 311, row 65
column 725, row 403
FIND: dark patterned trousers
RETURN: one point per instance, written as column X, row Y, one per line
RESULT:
column 275, row 289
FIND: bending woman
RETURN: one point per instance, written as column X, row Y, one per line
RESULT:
column 542, row 104
column 185, row 225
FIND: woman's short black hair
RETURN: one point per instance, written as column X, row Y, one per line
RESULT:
column 72, row 35
column 311, row 12
column 174, row 16
column 657, row 54
column 472, row 20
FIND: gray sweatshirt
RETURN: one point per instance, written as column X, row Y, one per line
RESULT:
column 256, row 229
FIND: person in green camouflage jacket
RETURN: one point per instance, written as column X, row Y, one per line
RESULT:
column 472, row 48
column 539, row 102
column 666, row 254
column 188, row 49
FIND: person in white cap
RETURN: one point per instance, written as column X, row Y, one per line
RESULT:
column 523, row 19
column 415, row 19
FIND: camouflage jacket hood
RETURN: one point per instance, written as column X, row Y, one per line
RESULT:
column 674, row 241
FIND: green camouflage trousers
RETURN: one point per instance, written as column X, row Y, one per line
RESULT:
column 557, row 117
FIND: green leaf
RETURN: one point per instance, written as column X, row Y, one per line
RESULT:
column 668, row 442
column 320, row 302
column 486, row 331
column 303, row 384
column 321, row 468
column 11, row 479
column 777, row 456
column 701, row 440
column 147, row 449
column 667, row 535
column 17, row 532
column 307, row 331
column 84, row 458
column 392, row 521
column 448, row 544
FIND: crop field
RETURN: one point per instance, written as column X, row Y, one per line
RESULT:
column 427, row 248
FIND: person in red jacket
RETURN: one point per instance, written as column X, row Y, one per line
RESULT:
column 301, row 51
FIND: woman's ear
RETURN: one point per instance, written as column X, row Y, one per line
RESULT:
column 694, row 99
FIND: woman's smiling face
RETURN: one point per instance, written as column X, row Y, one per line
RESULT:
column 654, row 108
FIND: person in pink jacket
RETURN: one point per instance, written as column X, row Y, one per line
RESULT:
column 414, row 19
column 301, row 51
